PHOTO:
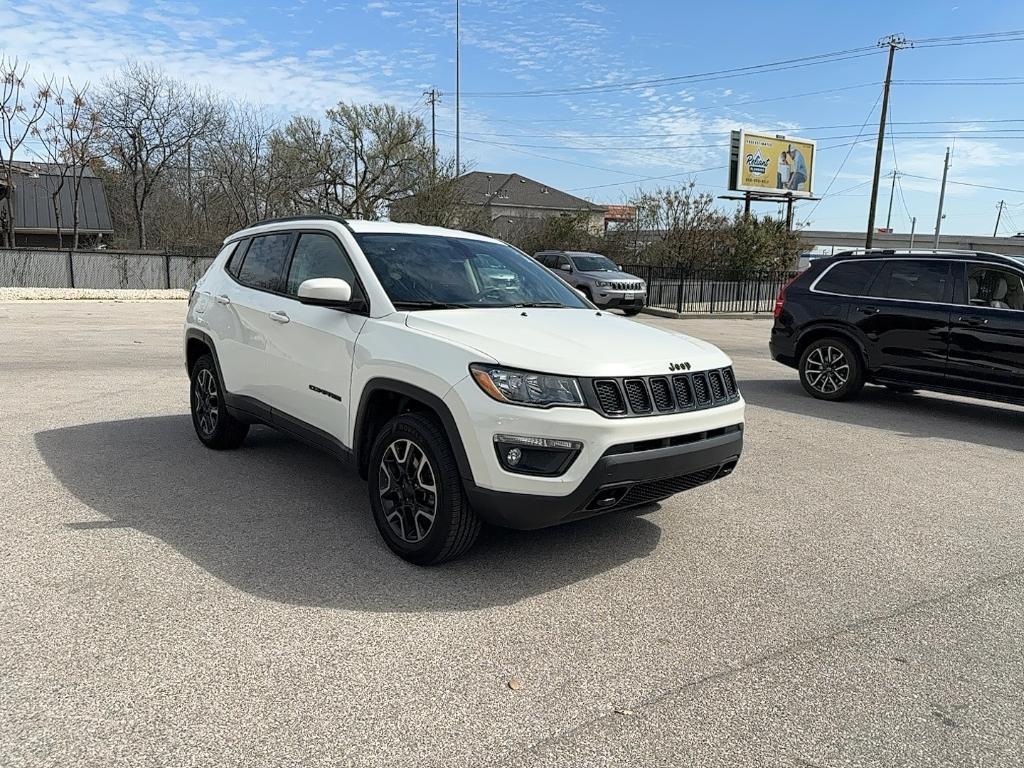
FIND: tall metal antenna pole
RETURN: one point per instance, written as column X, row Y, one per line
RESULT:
column 893, row 42
column 458, row 88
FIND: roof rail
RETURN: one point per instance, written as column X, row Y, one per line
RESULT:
column 912, row 251
column 306, row 217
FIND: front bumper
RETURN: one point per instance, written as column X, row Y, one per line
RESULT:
column 609, row 299
column 617, row 481
column 695, row 441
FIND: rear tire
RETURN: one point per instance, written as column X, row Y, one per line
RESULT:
column 416, row 492
column 831, row 369
column 215, row 427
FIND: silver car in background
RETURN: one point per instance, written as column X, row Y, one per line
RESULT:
column 599, row 278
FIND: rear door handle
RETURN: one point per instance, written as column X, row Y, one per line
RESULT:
column 868, row 310
column 973, row 320
column 222, row 299
column 279, row 317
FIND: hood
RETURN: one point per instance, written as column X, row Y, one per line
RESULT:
column 577, row 342
column 612, row 275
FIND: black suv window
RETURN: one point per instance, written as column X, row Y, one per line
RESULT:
column 264, row 263
column 989, row 286
column 850, row 278
column 912, row 281
column 319, row 255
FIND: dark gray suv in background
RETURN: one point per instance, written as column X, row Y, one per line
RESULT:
column 599, row 278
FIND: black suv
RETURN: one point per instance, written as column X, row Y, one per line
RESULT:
column 945, row 321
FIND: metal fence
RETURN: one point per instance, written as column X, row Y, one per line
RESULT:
column 710, row 292
column 43, row 268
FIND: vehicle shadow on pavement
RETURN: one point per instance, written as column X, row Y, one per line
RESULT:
column 912, row 415
column 286, row 522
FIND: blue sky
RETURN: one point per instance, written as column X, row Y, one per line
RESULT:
column 305, row 55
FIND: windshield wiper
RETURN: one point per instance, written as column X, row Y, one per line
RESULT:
column 529, row 304
column 428, row 305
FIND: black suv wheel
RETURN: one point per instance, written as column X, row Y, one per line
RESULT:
column 416, row 492
column 215, row 427
column 830, row 369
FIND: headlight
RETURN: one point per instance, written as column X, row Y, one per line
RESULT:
column 538, row 390
column 602, row 284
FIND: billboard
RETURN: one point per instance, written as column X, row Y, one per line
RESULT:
column 771, row 164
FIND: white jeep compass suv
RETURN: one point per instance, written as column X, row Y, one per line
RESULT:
column 465, row 381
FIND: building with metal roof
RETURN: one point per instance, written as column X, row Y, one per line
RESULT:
column 31, row 195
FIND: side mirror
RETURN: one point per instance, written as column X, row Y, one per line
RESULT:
column 565, row 266
column 326, row 292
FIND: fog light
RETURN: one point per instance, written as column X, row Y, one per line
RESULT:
column 546, row 456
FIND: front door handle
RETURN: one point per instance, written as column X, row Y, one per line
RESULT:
column 868, row 310
column 279, row 317
column 222, row 299
column 973, row 320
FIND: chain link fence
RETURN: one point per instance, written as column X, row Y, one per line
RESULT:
column 710, row 292
column 42, row 268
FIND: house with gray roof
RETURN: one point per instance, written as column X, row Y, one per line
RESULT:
column 31, row 197
column 513, row 201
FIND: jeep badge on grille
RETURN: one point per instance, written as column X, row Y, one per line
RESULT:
column 679, row 366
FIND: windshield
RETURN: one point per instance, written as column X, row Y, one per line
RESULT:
column 1018, row 258
column 594, row 263
column 434, row 272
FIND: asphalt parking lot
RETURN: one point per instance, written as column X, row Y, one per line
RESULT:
column 852, row 595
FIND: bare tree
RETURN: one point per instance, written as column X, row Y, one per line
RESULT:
column 149, row 121
column 390, row 154
column 22, row 106
column 69, row 140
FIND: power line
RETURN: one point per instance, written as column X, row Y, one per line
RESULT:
column 698, row 77
column 647, row 112
column 843, row 164
column 570, row 135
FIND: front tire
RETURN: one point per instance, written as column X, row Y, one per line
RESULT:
column 830, row 369
column 416, row 492
column 632, row 311
column 215, row 427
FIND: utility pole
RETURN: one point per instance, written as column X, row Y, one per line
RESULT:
column 942, row 198
column 893, row 42
column 458, row 87
column 913, row 226
column 432, row 96
column 892, row 191
column 999, row 215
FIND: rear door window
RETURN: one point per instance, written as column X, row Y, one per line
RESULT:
column 910, row 280
column 989, row 286
column 265, row 262
column 849, row 278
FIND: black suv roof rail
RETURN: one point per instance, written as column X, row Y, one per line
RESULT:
column 917, row 252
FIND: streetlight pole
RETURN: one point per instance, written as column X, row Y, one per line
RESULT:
column 999, row 215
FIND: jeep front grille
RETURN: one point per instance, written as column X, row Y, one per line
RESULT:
column 609, row 397
column 654, row 395
column 637, row 397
